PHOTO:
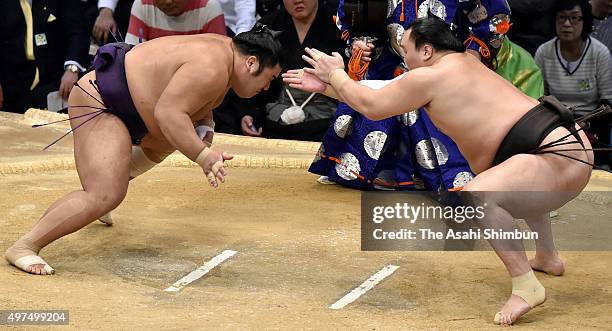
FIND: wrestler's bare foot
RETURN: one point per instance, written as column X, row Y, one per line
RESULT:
column 550, row 264
column 514, row 308
column 38, row 269
column 24, row 255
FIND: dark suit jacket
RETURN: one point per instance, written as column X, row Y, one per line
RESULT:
column 67, row 39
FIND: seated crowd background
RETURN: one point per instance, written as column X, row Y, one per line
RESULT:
column 47, row 44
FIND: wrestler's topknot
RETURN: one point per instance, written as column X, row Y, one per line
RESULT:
column 434, row 31
column 261, row 42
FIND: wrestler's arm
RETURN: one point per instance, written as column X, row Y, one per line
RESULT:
column 306, row 81
column 374, row 84
column 331, row 92
column 409, row 93
column 189, row 90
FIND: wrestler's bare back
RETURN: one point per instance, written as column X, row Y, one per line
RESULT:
column 454, row 108
column 151, row 66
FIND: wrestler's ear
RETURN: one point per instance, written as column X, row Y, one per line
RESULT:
column 427, row 51
column 252, row 65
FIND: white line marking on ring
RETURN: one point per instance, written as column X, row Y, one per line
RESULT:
column 201, row 271
column 364, row 287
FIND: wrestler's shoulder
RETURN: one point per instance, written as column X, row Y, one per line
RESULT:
column 424, row 73
column 210, row 49
column 195, row 42
column 214, row 39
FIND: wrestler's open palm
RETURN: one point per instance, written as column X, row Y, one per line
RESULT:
column 304, row 81
column 214, row 168
column 322, row 64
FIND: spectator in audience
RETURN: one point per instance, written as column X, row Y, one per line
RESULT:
column 152, row 19
column 577, row 69
column 44, row 48
column 531, row 23
column 305, row 23
column 239, row 15
column 602, row 25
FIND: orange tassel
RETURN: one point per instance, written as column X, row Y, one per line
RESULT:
column 398, row 72
column 356, row 70
column 484, row 49
column 345, row 35
column 503, row 27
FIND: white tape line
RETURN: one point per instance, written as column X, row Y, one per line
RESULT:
column 201, row 271
column 364, row 287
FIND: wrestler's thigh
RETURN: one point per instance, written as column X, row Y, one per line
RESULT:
column 524, row 185
column 102, row 146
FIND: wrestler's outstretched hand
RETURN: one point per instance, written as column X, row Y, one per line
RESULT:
column 322, row 64
column 301, row 80
column 211, row 162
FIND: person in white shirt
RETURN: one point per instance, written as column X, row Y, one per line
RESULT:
column 239, row 15
column 577, row 69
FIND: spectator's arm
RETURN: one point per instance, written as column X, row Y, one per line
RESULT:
column 255, row 108
column 110, row 4
column 105, row 22
column 604, row 75
column 138, row 31
column 214, row 21
column 77, row 36
column 245, row 15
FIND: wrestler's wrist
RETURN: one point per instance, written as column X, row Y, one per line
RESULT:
column 337, row 77
column 330, row 92
column 202, row 156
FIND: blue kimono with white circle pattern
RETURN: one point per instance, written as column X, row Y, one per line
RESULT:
column 405, row 152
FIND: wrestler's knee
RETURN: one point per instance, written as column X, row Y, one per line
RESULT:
column 480, row 192
column 107, row 198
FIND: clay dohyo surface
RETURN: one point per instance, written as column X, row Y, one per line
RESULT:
column 298, row 246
